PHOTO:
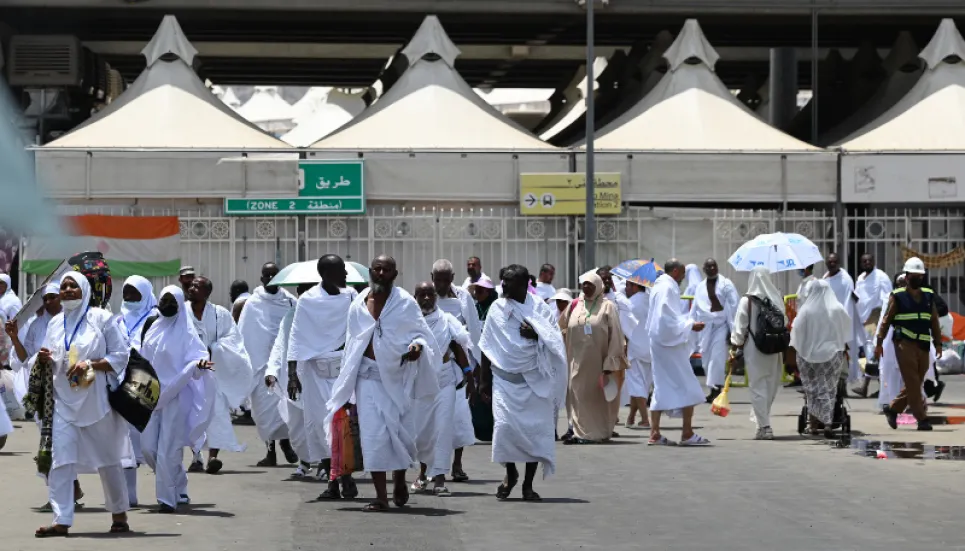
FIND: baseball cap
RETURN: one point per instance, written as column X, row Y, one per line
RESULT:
column 484, row 282
column 186, row 270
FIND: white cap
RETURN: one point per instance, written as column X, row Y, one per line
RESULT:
column 563, row 294
column 914, row 265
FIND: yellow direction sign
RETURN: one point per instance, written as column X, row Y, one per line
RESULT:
column 564, row 193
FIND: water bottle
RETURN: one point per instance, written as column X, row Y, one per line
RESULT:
column 45, row 457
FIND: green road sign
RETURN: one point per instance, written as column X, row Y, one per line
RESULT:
column 330, row 179
column 324, row 187
column 296, row 205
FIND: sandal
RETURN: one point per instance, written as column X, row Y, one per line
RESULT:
column 695, row 440
column 51, row 532
column 331, row 492
column 578, row 442
column 349, row 489
column 459, row 475
column 400, row 501
column 503, row 491
column 660, row 441
column 419, row 485
column 376, row 507
column 120, row 527
column 441, row 491
column 530, row 495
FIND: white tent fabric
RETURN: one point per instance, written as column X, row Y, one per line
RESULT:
column 691, row 110
column 231, row 99
column 267, row 105
column 903, row 68
column 576, row 96
column 431, row 107
column 167, row 107
column 931, row 116
column 310, row 102
column 337, row 110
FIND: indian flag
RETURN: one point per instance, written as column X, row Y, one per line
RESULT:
column 148, row 246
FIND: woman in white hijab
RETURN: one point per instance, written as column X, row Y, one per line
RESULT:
column 139, row 303
column 764, row 370
column 819, row 336
column 9, row 301
column 82, row 349
column 184, row 408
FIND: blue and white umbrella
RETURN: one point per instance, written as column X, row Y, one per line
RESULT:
column 778, row 252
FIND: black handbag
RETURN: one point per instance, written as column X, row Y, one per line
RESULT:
column 136, row 396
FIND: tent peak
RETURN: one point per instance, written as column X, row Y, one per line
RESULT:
column 903, row 55
column 946, row 43
column 169, row 40
column 691, row 43
column 431, row 38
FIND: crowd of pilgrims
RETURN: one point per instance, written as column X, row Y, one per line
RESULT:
column 425, row 374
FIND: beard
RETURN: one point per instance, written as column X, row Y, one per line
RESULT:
column 380, row 288
column 428, row 311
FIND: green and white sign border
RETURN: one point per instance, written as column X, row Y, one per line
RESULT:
column 298, row 212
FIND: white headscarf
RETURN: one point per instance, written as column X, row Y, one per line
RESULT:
column 761, row 286
column 9, row 303
column 135, row 313
column 822, row 326
column 171, row 343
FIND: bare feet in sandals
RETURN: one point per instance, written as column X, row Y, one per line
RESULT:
column 52, row 531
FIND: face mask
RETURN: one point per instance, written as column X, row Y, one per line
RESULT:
column 133, row 305
column 71, row 304
column 168, row 310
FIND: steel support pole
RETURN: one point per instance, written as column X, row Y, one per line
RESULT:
column 589, row 230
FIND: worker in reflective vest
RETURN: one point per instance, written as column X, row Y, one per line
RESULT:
column 913, row 314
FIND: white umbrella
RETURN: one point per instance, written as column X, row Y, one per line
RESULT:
column 778, row 252
column 307, row 272
column 363, row 271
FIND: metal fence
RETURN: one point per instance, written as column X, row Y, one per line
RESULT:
column 228, row 248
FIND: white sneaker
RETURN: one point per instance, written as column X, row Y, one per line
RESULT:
column 768, row 433
column 299, row 472
column 183, row 499
column 759, row 435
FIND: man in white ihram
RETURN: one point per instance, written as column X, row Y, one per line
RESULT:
column 873, row 288
column 388, row 363
column 315, row 350
column 843, row 287
column 675, row 387
column 259, row 324
column 715, row 304
column 524, row 376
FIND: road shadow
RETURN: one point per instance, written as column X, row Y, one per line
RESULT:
column 193, row 510
column 12, row 454
column 230, row 472
column 549, row 501
column 305, row 480
column 128, row 535
column 408, row 511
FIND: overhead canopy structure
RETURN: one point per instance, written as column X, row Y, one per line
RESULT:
column 903, row 68
column 915, row 151
column 164, row 136
column 572, row 104
column 732, row 155
column 336, row 110
column 431, row 136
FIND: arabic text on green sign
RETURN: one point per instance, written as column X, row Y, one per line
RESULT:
column 330, row 179
column 294, row 206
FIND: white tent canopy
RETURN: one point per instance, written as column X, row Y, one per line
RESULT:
column 430, row 135
column 266, row 105
column 913, row 152
column 431, row 107
column 931, row 116
column 231, row 99
column 164, row 136
column 310, row 102
column 336, row 110
column 903, row 68
column 691, row 112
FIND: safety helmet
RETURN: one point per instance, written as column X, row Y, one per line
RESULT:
column 914, row 265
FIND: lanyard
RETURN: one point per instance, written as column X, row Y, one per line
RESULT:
column 589, row 311
column 67, row 342
column 136, row 325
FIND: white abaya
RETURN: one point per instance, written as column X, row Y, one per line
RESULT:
column 233, row 373
column 88, row 435
column 316, row 343
column 529, row 382
column 386, row 387
column 259, row 324
column 763, row 370
column 718, row 326
column 675, row 386
column 185, row 408
column 435, row 420
column 640, row 374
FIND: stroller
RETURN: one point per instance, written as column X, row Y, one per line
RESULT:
column 840, row 420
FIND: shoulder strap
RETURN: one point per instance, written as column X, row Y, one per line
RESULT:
column 573, row 304
column 147, row 325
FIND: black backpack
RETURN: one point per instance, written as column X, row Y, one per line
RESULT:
column 769, row 331
column 137, row 395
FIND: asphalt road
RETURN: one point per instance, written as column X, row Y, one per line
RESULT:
column 789, row 494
